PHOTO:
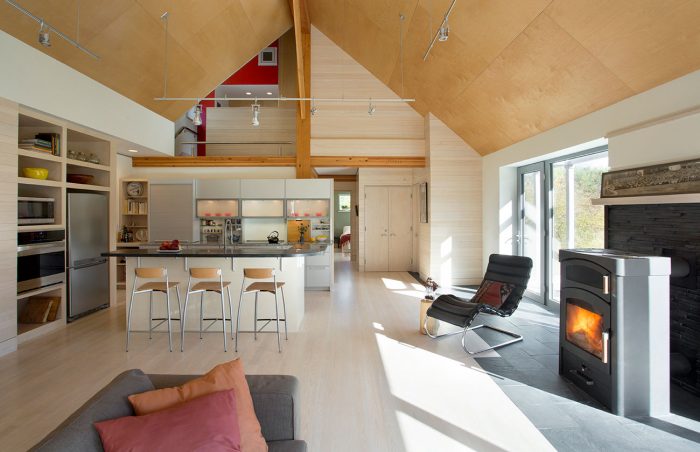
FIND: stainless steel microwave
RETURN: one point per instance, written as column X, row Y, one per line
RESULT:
column 35, row 210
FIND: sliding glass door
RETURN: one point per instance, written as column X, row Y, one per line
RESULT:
column 532, row 225
column 555, row 212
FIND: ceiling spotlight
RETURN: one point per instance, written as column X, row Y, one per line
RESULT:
column 371, row 109
column 248, row 93
column 44, row 37
column 133, row 151
column 197, row 120
column 313, row 107
column 256, row 114
column 444, row 31
column 269, row 93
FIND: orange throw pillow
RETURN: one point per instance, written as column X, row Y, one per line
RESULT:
column 223, row 377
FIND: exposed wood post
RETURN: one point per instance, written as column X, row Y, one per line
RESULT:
column 303, row 163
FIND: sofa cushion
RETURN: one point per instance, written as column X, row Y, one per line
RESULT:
column 287, row 446
column 77, row 432
column 225, row 376
column 204, row 423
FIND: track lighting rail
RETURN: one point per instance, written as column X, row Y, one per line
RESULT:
column 289, row 99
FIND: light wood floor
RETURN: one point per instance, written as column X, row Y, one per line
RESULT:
column 369, row 381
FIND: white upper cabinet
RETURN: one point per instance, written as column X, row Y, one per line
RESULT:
column 309, row 188
column 262, row 188
column 218, row 188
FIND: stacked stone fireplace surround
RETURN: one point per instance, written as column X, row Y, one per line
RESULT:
column 667, row 229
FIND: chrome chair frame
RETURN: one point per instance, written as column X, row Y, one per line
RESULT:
column 277, row 319
column 168, row 318
column 517, row 337
column 213, row 320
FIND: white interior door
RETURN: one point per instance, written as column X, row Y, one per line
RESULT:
column 400, row 229
column 376, row 229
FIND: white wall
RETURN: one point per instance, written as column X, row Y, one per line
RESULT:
column 664, row 142
column 34, row 79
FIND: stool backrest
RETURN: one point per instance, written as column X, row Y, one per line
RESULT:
column 151, row 272
column 205, row 273
column 258, row 273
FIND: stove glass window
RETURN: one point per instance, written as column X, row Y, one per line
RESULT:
column 584, row 329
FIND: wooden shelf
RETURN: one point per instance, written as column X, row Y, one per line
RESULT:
column 40, row 227
column 41, row 291
column 687, row 198
column 39, row 155
column 135, row 215
column 88, row 165
column 27, row 331
column 39, row 182
column 87, row 187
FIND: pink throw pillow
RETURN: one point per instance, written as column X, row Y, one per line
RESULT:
column 207, row 423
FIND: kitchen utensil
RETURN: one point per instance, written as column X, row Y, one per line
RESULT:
column 273, row 238
column 35, row 173
column 80, row 178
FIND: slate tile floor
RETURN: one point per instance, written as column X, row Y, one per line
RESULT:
column 570, row 419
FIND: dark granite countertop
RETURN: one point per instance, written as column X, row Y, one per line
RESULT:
column 239, row 250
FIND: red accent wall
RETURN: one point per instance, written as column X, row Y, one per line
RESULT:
column 202, row 129
column 252, row 74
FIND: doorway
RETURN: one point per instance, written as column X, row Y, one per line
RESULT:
column 388, row 227
column 555, row 213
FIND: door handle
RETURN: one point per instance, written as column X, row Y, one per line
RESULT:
column 606, row 284
column 606, row 344
column 392, row 235
column 384, row 235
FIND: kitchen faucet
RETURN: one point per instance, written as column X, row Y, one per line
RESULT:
column 228, row 232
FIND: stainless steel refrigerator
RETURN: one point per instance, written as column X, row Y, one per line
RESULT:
column 88, row 237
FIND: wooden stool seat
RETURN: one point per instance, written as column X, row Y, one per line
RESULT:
column 157, row 286
column 210, row 286
column 263, row 287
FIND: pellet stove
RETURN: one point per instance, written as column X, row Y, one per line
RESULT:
column 614, row 328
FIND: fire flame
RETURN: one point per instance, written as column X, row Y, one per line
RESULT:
column 584, row 329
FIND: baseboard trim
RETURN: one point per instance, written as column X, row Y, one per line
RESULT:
column 8, row 346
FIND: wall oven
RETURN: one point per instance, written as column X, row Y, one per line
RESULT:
column 35, row 210
column 41, row 259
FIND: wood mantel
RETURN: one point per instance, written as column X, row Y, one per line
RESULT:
column 686, row 198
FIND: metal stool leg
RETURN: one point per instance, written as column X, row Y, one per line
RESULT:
column 150, row 315
column 201, row 313
column 179, row 304
column 230, row 308
column 238, row 315
column 223, row 317
column 284, row 309
column 277, row 319
column 255, row 324
column 167, row 306
column 182, row 319
column 128, row 317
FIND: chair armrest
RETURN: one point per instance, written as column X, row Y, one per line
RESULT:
column 275, row 399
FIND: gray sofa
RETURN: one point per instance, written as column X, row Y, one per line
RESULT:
column 274, row 398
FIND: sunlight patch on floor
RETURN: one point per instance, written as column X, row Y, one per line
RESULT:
column 452, row 399
column 393, row 284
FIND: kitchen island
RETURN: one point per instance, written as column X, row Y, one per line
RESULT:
column 287, row 259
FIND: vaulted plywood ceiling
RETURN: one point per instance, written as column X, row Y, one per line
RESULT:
column 513, row 69
column 209, row 40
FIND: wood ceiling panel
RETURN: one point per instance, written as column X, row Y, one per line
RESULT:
column 644, row 42
column 543, row 79
column 209, row 41
column 510, row 69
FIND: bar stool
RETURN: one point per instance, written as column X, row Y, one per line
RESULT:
column 201, row 288
column 256, row 288
column 149, row 288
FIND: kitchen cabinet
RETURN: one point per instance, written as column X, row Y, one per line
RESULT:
column 217, row 208
column 171, row 210
column 218, row 188
column 262, row 189
column 318, row 270
column 307, row 208
column 309, row 188
column 388, row 228
column 258, row 208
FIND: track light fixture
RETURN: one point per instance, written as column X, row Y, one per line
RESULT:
column 313, row 107
column 256, row 114
column 44, row 36
column 442, row 33
column 372, row 108
column 197, row 120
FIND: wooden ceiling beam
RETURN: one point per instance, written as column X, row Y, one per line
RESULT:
column 211, row 161
column 299, row 33
column 367, row 162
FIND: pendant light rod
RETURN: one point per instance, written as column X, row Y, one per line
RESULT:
column 47, row 25
column 289, row 99
column 439, row 29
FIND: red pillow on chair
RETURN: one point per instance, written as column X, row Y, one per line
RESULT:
column 493, row 293
column 207, row 423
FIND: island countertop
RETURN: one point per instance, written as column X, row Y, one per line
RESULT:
column 239, row 250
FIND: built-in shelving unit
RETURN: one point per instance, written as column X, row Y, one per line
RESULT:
column 685, row 198
column 71, row 148
column 134, row 215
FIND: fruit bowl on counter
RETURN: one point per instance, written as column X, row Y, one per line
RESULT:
column 170, row 246
column 35, row 173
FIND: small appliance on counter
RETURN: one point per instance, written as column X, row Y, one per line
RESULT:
column 35, row 210
column 273, row 238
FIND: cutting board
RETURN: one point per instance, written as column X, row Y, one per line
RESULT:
column 293, row 230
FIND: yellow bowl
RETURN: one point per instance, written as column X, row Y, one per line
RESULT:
column 36, row 173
